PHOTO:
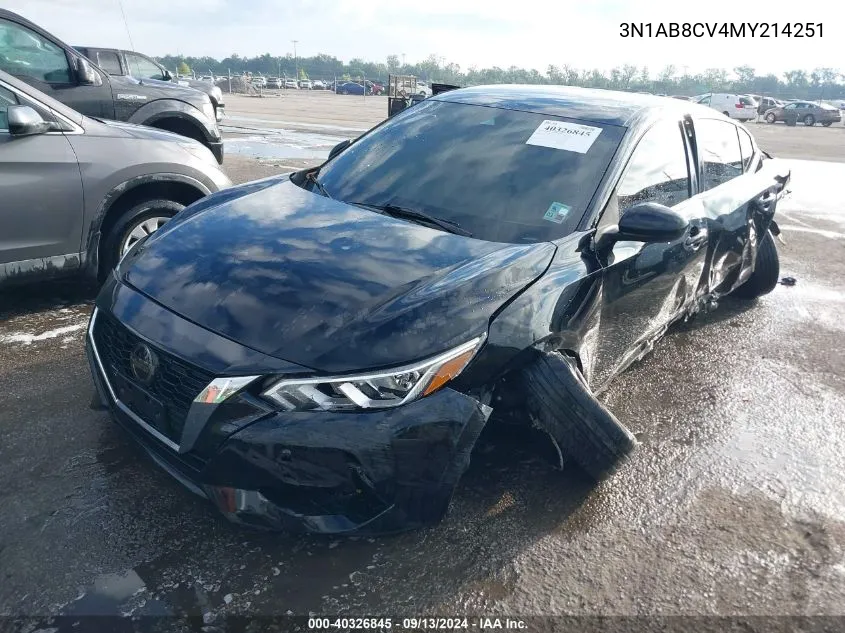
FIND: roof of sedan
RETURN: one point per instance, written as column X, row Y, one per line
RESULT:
column 591, row 104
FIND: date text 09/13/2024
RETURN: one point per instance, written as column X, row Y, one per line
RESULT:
column 416, row 624
column 720, row 29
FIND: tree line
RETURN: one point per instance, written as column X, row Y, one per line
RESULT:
column 821, row 83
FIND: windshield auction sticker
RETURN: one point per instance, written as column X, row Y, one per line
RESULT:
column 567, row 136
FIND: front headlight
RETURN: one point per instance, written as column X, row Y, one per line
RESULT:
column 217, row 94
column 378, row 390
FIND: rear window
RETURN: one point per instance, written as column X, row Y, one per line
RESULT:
column 747, row 101
column 504, row 175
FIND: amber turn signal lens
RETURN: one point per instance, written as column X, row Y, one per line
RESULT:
column 447, row 371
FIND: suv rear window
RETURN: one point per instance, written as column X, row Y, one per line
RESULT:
column 473, row 165
column 747, row 101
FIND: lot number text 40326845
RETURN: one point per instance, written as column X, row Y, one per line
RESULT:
column 720, row 29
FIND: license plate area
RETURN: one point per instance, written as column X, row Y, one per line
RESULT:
column 141, row 403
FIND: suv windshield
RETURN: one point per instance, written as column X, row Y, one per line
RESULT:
column 474, row 166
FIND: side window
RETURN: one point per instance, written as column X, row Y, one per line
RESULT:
column 23, row 52
column 7, row 98
column 746, row 147
column 109, row 61
column 791, row 106
column 142, row 68
column 721, row 159
column 658, row 170
column 705, row 101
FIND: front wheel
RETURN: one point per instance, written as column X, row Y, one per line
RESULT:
column 562, row 404
column 770, row 118
column 809, row 120
column 766, row 271
column 136, row 223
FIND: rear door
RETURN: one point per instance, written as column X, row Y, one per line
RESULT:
column 647, row 285
column 33, row 57
column 41, row 212
column 738, row 201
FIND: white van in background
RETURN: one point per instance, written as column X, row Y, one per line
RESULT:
column 740, row 107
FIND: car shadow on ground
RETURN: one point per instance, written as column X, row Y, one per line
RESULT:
column 17, row 301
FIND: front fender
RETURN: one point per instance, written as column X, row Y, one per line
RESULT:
column 161, row 109
column 90, row 262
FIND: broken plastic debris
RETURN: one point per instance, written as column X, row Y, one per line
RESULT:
column 788, row 281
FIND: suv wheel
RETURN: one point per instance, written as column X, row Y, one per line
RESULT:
column 141, row 220
column 809, row 120
column 770, row 117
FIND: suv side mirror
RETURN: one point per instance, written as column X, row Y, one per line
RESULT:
column 337, row 149
column 25, row 121
column 85, row 73
column 643, row 222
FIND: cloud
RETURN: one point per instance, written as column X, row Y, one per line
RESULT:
column 469, row 32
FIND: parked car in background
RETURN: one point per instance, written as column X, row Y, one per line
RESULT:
column 207, row 78
column 274, row 82
column 767, row 103
column 304, row 84
column 351, row 88
column 423, row 89
column 682, row 98
column 79, row 192
column 741, row 107
column 33, row 55
column 365, row 318
column 317, row 84
column 259, row 82
column 290, row 84
column 377, row 87
column 805, row 111
column 118, row 62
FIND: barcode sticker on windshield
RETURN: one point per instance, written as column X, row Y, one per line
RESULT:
column 560, row 135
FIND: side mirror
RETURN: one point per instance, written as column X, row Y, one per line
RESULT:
column 85, row 73
column 25, row 121
column 643, row 222
column 337, row 149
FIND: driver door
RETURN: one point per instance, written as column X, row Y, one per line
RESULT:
column 646, row 285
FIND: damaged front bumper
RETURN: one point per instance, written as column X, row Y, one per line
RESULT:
column 372, row 472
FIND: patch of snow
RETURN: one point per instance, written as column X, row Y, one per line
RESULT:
column 29, row 339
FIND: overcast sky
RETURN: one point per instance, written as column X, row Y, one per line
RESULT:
column 530, row 33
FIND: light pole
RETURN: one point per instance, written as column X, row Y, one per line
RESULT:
column 403, row 62
column 295, row 62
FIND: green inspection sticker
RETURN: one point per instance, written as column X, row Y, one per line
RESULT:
column 557, row 212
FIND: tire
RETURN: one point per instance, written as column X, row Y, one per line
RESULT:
column 766, row 271
column 140, row 218
column 770, row 118
column 344, row 92
column 827, row 123
column 809, row 120
column 582, row 427
column 727, row 114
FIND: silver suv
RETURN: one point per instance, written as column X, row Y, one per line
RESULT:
column 78, row 192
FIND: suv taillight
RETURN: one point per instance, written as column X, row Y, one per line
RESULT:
column 740, row 105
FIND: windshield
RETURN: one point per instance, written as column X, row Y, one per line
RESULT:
column 503, row 175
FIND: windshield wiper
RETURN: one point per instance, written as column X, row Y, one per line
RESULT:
column 312, row 176
column 396, row 211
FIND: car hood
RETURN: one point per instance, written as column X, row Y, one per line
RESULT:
column 324, row 284
column 120, row 128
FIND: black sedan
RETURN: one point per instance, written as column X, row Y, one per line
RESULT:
column 321, row 350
